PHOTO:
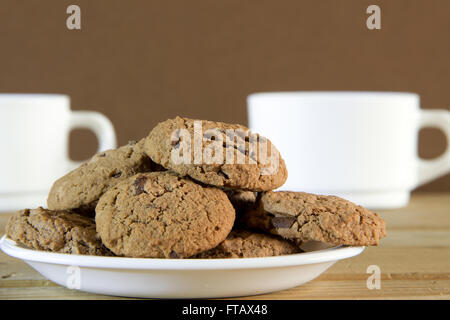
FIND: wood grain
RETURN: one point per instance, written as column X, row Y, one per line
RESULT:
column 414, row 260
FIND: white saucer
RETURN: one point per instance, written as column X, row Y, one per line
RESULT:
column 179, row 278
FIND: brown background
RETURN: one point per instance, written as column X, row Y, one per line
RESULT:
column 140, row 62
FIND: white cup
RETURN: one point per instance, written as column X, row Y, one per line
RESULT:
column 361, row 146
column 34, row 132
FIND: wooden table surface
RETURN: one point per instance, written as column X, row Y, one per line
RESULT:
column 414, row 260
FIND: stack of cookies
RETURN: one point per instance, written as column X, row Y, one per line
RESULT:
column 190, row 189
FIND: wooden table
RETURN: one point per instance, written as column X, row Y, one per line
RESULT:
column 414, row 260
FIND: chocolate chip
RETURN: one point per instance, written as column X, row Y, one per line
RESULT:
column 173, row 255
column 209, row 136
column 223, row 174
column 283, row 222
column 117, row 175
column 139, row 184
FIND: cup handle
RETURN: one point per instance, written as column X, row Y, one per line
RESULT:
column 99, row 124
column 431, row 169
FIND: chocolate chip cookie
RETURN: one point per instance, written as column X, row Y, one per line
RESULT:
column 161, row 215
column 81, row 188
column 247, row 244
column 216, row 153
column 57, row 231
column 304, row 217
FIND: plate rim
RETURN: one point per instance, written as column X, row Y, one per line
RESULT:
column 11, row 248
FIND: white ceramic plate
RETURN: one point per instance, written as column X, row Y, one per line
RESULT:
column 180, row 278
